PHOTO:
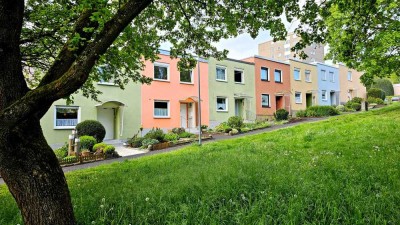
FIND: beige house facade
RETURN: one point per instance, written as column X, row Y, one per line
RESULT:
column 350, row 84
column 303, row 85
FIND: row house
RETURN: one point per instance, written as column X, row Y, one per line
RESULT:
column 328, row 84
column 272, row 86
column 231, row 90
column 350, row 85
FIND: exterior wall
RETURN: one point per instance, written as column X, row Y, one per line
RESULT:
column 127, row 118
column 243, row 92
column 328, row 85
column 280, row 50
column 270, row 87
column 302, row 86
column 175, row 93
column 350, row 88
column 396, row 88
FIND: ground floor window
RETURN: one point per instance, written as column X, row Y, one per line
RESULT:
column 222, row 104
column 265, row 100
column 66, row 117
column 324, row 97
column 297, row 96
column 161, row 109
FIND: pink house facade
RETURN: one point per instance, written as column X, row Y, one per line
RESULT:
column 171, row 100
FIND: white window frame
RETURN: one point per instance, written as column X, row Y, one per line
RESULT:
column 294, row 74
column 322, row 95
column 351, row 76
column 305, row 75
column 239, row 70
column 216, row 74
column 191, row 78
column 168, row 109
column 269, row 101
column 160, row 65
column 280, row 76
column 103, row 82
column 226, row 104
column 268, row 76
column 65, row 127
column 323, row 74
column 332, row 76
column 295, row 98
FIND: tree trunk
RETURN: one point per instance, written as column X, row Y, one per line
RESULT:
column 33, row 175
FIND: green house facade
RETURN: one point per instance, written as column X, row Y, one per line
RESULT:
column 118, row 110
column 231, row 90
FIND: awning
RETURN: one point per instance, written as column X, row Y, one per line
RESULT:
column 188, row 100
column 111, row 104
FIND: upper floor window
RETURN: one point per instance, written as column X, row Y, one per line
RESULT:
column 238, row 76
column 296, row 74
column 66, row 117
column 186, row 76
column 349, row 76
column 278, row 76
column 221, row 73
column 264, row 73
column 161, row 71
column 307, row 75
column 332, row 76
column 323, row 73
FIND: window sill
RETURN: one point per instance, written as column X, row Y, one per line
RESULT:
column 296, row 80
column 161, row 80
column 224, row 111
column 266, row 106
column 64, row 128
column 161, row 117
column 186, row 83
column 107, row 84
column 226, row 81
column 299, row 103
column 239, row 83
column 308, row 81
column 279, row 82
column 265, row 80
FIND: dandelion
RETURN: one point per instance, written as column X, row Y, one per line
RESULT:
column 147, row 199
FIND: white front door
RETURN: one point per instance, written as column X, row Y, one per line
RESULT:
column 106, row 117
column 184, row 115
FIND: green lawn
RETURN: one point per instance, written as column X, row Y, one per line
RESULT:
column 345, row 170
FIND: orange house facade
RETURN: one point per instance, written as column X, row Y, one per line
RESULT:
column 272, row 86
column 171, row 100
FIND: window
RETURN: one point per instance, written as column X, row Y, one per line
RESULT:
column 296, row 74
column 349, row 76
column 323, row 72
column 332, row 76
column 66, row 117
column 221, row 73
column 264, row 74
column 161, row 71
column 161, row 109
column 297, row 96
column 222, row 104
column 104, row 73
column 278, row 76
column 239, row 76
column 324, row 97
column 307, row 75
column 265, row 100
column 186, row 76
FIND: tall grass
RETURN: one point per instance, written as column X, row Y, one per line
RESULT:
column 344, row 170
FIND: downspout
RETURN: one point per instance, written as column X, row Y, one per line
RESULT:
column 122, row 121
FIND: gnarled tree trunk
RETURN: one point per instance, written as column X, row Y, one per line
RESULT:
column 33, row 175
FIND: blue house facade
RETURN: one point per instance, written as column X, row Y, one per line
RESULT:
column 328, row 84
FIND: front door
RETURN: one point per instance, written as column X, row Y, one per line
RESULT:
column 106, row 117
column 333, row 98
column 239, row 107
column 184, row 116
column 308, row 100
column 279, row 102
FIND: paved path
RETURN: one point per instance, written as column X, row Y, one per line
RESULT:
column 129, row 153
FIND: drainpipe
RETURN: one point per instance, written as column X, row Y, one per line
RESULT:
column 199, row 100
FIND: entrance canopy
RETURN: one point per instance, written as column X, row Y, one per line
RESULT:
column 188, row 100
column 111, row 104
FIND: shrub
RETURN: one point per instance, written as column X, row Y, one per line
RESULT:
column 357, row 100
column 353, row 105
column 340, row 108
column 148, row 141
column 281, row 114
column 186, row 135
column 223, row 127
column 376, row 93
column 204, row 127
column 91, row 128
column 178, row 130
column 61, row 152
column 70, row 157
column 301, row 113
column 109, row 149
column 235, row 122
column 87, row 142
column 99, row 146
column 171, row 137
column 320, row 111
column 385, row 85
column 156, row 133
column 372, row 100
column 234, row 131
column 246, row 129
column 135, row 142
